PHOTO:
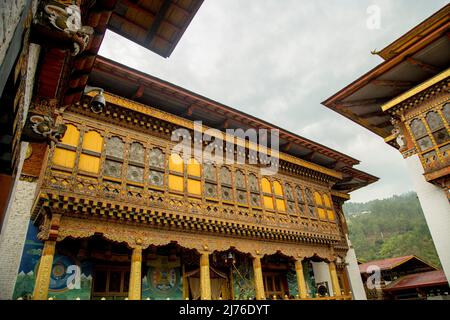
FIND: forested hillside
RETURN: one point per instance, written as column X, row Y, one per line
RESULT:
column 390, row 227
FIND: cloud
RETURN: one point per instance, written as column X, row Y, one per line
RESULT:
column 278, row 59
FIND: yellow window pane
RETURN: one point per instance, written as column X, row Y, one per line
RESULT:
column 193, row 168
column 322, row 214
column 89, row 163
column 281, row 206
column 330, row 215
column 268, row 202
column 265, row 185
column 64, row 158
column 277, row 188
column 326, row 200
column 318, row 198
column 194, row 187
column 176, row 183
column 93, row 141
column 72, row 136
column 176, row 163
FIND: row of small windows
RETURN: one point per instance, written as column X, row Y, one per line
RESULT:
column 244, row 189
column 436, row 138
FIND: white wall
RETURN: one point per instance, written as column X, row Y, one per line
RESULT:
column 436, row 209
column 10, row 12
column 354, row 276
column 322, row 274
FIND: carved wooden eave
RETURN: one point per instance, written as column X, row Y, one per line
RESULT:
column 176, row 215
column 135, row 235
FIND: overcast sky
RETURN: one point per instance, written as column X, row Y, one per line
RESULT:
column 278, row 59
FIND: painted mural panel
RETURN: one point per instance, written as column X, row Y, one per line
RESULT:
column 162, row 279
column 70, row 279
column 309, row 278
column 243, row 281
column 291, row 277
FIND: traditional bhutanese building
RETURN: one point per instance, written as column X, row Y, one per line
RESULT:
column 103, row 208
column 406, row 101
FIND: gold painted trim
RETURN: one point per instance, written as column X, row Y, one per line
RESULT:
column 340, row 195
column 153, row 112
column 417, row 89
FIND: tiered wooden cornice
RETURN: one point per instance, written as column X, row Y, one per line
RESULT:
column 171, row 216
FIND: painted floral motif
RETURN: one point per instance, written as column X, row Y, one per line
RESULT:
column 253, row 182
column 156, row 178
column 299, row 194
column 114, row 147
column 255, row 200
column 241, row 196
column 225, row 175
column 434, row 121
column 210, row 190
column 240, row 179
column 112, row 169
column 227, row 194
column 135, row 173
column 137, row 152
column 156, row 158
column 209, row 172
column 418, row 128
column 288, row 191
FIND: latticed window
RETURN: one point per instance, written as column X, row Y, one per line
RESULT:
column 437, row 127
column 279, row 196
column 135, row 170
column 194, row 184
column 255, row 198
column 156, row 170
column 225, row 181
column 210, row 175
column 319, row 204
column 436, row 141
column 329, row 207
column 176, row 173
column 91, row 150
column 310, row 205
column 66, row 151
column 289, row 198
column 114, row 157
column 241, row 190
column 266, row 188
column 300, row 199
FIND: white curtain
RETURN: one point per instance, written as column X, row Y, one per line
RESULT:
column 194, row 287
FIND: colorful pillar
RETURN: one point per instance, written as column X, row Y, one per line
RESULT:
column 301, row 283
column 205, row 281
column 259, row 283
column 134, row 291
column 45, row 268
column 334, row 279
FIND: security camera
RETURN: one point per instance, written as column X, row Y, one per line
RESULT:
column 98, row 102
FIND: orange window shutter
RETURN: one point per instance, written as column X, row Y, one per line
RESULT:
column 265, row 185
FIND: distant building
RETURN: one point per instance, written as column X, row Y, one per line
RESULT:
column 406, row 277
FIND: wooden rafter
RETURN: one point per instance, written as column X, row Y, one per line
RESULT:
column 158, row 20
column 393, row 83
column 134, row 24
column 139, row 92
column 371, row 114
column 146, row 11
column 424, row 66
column 359, row 103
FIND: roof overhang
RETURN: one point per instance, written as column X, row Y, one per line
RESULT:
column 157, row 25
column 151, row 91
column 416, row 57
